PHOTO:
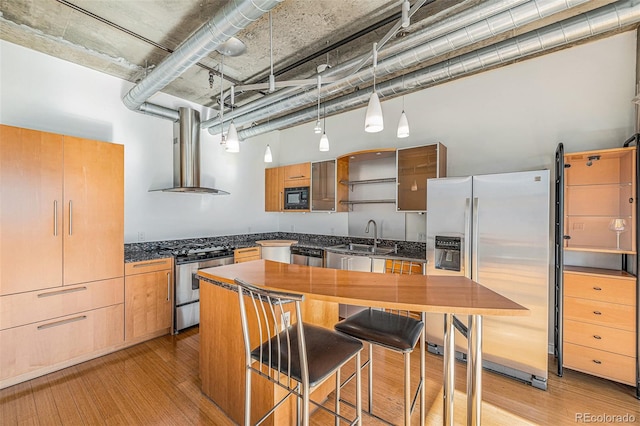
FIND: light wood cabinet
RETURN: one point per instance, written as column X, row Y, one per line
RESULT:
column 62, row 204
column 61, row 251
column 93, row 210
column 148, row 299
column 415, row 166
column 31, row 225
column 278, row 178
column 274, row 189
column 35, row 349
column 596, row 326
column 246, row 254
column 296, row 175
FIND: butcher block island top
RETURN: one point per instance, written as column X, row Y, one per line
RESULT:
column 425, row 293
column 222, row 350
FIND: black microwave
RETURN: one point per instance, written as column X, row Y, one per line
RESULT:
column 296, row 198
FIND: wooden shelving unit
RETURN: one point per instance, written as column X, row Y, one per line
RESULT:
column 596, row 310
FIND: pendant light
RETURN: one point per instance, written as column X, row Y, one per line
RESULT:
column 403, row 123
column 233, row 143
column 324, row 140
column 268, row 158
column 374, row 121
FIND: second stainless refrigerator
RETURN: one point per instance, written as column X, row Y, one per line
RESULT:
column 495, row 230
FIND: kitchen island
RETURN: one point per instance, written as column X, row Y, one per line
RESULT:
column 221, row 347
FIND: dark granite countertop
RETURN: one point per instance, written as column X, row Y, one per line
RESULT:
column 407, row 250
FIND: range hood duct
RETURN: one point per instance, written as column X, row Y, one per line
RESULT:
column 186, row 155
column 231, row 19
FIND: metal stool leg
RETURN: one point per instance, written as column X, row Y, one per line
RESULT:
column 358, row 390
column 338, row 396
column 370, row 396
column 407, row 388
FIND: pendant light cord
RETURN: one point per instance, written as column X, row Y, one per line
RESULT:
column 222, row 100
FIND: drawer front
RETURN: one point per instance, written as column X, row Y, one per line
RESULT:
column 246, row 254
column 148, row 266
column 602, row 338
column 600, row 363
column 26, row 308
column 600, row 313
column 44, row 344
column 601, row 288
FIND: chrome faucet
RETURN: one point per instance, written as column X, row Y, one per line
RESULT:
column 375, row 233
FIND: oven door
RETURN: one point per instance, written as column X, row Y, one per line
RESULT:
column 187, row 297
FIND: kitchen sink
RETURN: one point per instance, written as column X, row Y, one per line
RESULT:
column 363, row 248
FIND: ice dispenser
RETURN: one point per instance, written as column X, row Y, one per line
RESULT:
column 447, row 253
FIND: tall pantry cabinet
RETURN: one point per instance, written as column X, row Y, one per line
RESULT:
column 596, row 323
column 61, row 251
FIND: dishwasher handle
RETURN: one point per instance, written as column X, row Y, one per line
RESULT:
column 195, row 281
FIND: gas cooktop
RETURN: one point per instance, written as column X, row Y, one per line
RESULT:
column 197, row 251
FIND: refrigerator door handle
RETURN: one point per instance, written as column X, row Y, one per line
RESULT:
column 467, row 234
column 474, row 240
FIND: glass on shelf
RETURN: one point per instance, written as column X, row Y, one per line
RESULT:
column 618, row 226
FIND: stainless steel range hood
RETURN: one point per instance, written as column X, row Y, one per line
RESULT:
column 186, row 155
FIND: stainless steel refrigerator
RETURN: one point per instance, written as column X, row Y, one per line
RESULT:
column 495, row 230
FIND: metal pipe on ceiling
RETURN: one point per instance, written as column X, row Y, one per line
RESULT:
column 609, row 18
column 469, row 29
column 429, row 33
column 235, row 16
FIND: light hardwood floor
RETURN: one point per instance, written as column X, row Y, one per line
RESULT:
column 156, row 383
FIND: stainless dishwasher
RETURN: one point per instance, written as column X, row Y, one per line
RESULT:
column 307, row 256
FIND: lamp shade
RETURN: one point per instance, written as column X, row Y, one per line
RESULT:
column 318, row 129
column 403, row 126
column 324, row 143
column 373, row 121
column 268, row 158
column 233, row 143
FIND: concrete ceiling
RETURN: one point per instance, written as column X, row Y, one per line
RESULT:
column 128, row 38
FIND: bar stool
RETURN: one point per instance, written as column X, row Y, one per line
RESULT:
column 396, row 331
column 296, row 357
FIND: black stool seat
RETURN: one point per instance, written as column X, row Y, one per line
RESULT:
column 326, row 351
column 396, row 332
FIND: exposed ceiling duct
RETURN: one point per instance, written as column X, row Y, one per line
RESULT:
column 186, row 155
column 475, row 25
column 431, row 32
column 609, row 18
column 235, row 16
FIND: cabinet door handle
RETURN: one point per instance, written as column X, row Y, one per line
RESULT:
column 597, row 288
column 597, row 312
column 595, row 336
column 597, row 361
column 168, row 286
column 57, row 323
column 59, row 292
column 247, row 250
column 70, row 217
column 296, row 177
column 55, row 218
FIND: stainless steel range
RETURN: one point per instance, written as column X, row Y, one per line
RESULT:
column 188, row 259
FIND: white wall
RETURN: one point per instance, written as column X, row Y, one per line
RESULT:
column 503, row 120
column 44, row 93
